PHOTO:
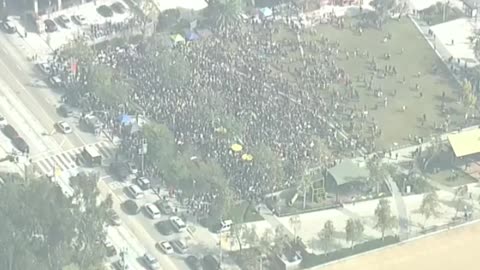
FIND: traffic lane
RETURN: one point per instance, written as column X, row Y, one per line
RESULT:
column 138, row 230
column 34, row 99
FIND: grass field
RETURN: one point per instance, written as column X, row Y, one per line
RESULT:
column 417, row 64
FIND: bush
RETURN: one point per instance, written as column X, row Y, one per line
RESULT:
column 310, row 260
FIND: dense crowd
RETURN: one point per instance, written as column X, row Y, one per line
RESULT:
column 242, row 86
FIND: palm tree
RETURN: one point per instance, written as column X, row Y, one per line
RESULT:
column 225, row 12
column 429, row 206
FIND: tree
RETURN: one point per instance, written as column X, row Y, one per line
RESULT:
column 295, row 224
column 109, row 85
column 249, row 236
column 459, row 198
column 385, row 219
column 224, row 12
column 236, row 232
column 378, row 172
column 80, row 51
column 326, row 236
column 429, row 206
column 382, row 7
column 280, row 240
column 43, row 230
column 265, row 242
column 469, row 97
column 353, row 231
column 161, row 145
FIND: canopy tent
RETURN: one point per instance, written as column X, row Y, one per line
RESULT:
column 266, row 12
column 125, row 119
column 347, row 171
column 247, row 157
column 192, row 36
column 177, row 39
column 465, row 143
column 236, row 147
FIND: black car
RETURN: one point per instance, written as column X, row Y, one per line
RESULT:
column 21, row 145
column 118, row 7
column 10, row 132
column 50, row 26
column 193, row 263
column 164, row 227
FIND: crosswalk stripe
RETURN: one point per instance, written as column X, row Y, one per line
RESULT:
column 68, row 159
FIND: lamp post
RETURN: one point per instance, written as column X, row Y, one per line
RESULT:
column 143, row 151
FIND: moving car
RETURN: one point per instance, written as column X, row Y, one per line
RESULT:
column 118, row 7
column 193, row 263
column 165, row 247
column 152, row 211
column 64, row 127
column 50, row 26
column 135, row 191
column 78, row 19
column 151, row 262
column 9, row 27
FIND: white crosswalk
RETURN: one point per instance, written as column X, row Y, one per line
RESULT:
column 67, row 160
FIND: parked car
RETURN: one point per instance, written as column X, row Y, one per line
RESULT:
column 55, row 81
column 152, row 211
column 20, row 144
column 45, row 68
column 79, row 19
column 151, row 262
column 178, row 224
column 10, row 132
column 118, row 7
column 50, row 26
column 165, row 207
column 193, row 263
column 135, row 191
column 63, row 127
column 9, row 27
column 143, row 183
column 132, row 167
column 63, row 21
column 180, row 245
column 165, row 247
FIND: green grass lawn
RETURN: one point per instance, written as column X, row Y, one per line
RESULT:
column 245, row 212
column 445, row 177
column 417, row 58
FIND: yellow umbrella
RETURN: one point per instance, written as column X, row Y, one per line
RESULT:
column 247, row 157
column 236, row 147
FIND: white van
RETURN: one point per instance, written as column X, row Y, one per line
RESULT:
column 152, row 210
column 178, row 224
column 225, row 226
column 135, row 191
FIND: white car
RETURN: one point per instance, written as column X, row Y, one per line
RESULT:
column 3, row 121
column 165, row 247
column 55, row 81
column 178, row 224
column 151, row 262
column 64, row 127
column 45, row 68
column 152, row 210
column 65, row 21
column 135, row 191
column 79, row 19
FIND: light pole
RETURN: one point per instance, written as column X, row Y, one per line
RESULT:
column 143, row 151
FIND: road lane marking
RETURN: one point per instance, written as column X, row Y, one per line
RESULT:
column 35, row 100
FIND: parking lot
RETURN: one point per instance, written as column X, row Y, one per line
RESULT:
column 91, row 21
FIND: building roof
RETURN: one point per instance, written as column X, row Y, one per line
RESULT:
column 465, row 143
column 347, row 171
